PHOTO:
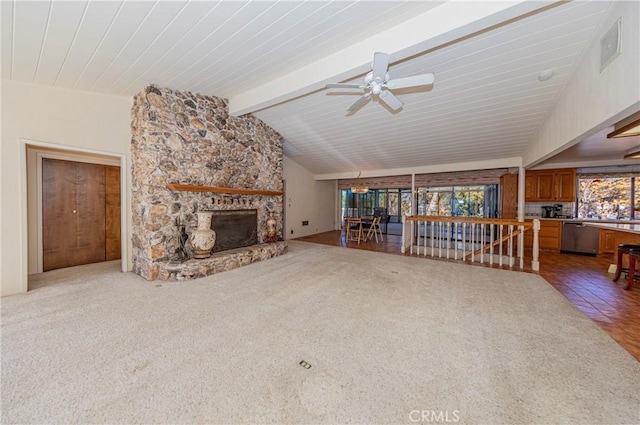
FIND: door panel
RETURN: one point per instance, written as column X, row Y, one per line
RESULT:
column 58, row 218
column 73, row 213
column 90, row 221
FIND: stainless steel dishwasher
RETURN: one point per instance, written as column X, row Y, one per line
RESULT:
column 578, row 238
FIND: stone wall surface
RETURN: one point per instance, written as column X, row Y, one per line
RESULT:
column 182, row 137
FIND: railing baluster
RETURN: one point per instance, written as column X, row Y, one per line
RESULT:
column 501, row 248
column 455, row 243
column 439, row 239
column 448, row 240
column 510, row 246
column 432, row 242
column 464, row 240
column 491, row 226
column 472, row 246
column 502, row 238
column 424, row 223
column 482, row 233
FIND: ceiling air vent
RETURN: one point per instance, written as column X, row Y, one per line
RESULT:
column 610, row 44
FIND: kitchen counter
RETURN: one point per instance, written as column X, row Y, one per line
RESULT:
column 621, row 227
column 589, row 220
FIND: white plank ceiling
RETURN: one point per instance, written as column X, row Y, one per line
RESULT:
column 487, row 102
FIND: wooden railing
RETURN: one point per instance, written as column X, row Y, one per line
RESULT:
column 484, row 240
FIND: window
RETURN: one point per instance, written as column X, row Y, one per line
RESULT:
column 464, row 201
column 608, row 198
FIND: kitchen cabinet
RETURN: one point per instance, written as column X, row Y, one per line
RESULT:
column 607, row 242
column 508, row 195
column 566, row 185
column 549, row 236
column 610, row 239
column 550, row 185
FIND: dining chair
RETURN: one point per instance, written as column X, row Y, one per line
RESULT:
column 345, row 228
column 354, row 229
column 373, row 229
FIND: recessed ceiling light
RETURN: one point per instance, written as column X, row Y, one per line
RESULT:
column 546, row 75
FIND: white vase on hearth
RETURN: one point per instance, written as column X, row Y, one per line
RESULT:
column 204, row 237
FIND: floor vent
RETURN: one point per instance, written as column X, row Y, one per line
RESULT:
column 305, row 365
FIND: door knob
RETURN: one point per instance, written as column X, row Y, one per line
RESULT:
column 74, row 211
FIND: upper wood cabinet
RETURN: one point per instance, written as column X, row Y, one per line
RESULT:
column 550, row 185
column 566, row 185
column 509, row 195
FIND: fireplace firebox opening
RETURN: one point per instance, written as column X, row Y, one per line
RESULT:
column 235, row 229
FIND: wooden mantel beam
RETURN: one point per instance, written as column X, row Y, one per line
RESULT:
column 227, row 190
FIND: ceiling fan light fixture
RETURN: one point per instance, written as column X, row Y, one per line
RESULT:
column 378, row 83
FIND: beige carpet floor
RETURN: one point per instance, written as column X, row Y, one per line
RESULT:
column 390, row 339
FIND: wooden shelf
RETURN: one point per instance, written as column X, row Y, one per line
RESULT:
column 227, row 190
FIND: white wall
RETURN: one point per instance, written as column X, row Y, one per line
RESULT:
column 593, row 100
column 307, row 199
column 62, row 118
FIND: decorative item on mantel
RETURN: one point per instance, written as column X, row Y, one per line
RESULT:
column 272, row 235
column 204, row 237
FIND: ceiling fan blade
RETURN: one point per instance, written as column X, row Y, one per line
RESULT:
column 344, row 86
column 413, row 81
column 380, row 65
column 358, row 103
column 391, row 101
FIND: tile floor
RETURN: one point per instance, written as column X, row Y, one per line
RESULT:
column 583, row 280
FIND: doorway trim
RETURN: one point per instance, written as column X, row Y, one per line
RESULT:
column 75, row 154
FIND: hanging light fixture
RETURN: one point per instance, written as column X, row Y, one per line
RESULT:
column 359, row 187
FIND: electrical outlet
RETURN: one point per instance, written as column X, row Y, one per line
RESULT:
column 305, row 223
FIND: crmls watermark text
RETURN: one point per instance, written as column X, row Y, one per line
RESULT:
column 434, row 416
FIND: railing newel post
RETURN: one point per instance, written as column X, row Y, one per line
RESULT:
column 535, row 263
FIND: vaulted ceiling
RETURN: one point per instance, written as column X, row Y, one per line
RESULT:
column 273, row 58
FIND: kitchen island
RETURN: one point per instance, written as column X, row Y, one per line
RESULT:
column 614, row 234
column 619, row 227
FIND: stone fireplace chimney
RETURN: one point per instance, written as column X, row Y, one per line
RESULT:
column 187, row 138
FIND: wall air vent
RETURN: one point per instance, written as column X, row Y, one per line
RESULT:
column 610, row 44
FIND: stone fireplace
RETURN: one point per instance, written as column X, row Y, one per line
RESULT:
column 189, row 140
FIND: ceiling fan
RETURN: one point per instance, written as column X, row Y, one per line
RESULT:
column 378, row 83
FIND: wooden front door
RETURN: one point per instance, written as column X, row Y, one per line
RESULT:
column 75, row 214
